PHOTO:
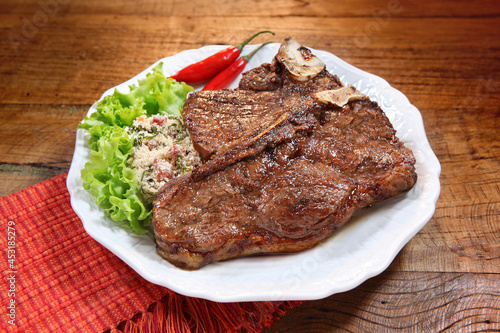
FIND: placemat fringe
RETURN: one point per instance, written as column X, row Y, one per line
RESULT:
column 176, row 313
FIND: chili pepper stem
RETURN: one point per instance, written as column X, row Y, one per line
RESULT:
column 248, row 56
column 242, row 45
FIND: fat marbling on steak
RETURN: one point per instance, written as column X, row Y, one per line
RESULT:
column 290, row 156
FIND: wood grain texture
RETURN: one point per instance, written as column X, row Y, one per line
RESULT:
column 55, row 61
column 402, row 301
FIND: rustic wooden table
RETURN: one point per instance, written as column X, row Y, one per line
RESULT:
column 59, row 56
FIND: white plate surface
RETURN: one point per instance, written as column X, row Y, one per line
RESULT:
column 361, row 249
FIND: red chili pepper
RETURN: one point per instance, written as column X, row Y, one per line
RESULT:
column 206, row 69
column 224, row 78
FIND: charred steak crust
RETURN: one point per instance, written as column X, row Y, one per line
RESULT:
column 282, row 171
column 215, row 118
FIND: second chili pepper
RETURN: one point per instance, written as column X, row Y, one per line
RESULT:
column 206, row 69
column 228, row 75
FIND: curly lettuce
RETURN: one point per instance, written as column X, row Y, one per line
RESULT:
column 107, row 176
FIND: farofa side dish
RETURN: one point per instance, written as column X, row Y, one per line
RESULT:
column 162, row 150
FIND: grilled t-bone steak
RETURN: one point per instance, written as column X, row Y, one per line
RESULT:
column 289, row 157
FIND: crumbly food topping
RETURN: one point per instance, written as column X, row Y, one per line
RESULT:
column 162, row 150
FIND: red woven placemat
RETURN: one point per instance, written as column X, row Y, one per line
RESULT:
column 58, row 279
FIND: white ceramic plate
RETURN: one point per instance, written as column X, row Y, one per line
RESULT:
column 361, row 249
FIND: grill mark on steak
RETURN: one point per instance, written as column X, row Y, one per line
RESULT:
column 278, row 180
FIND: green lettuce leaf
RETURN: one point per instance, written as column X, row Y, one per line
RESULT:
column 107, row 175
